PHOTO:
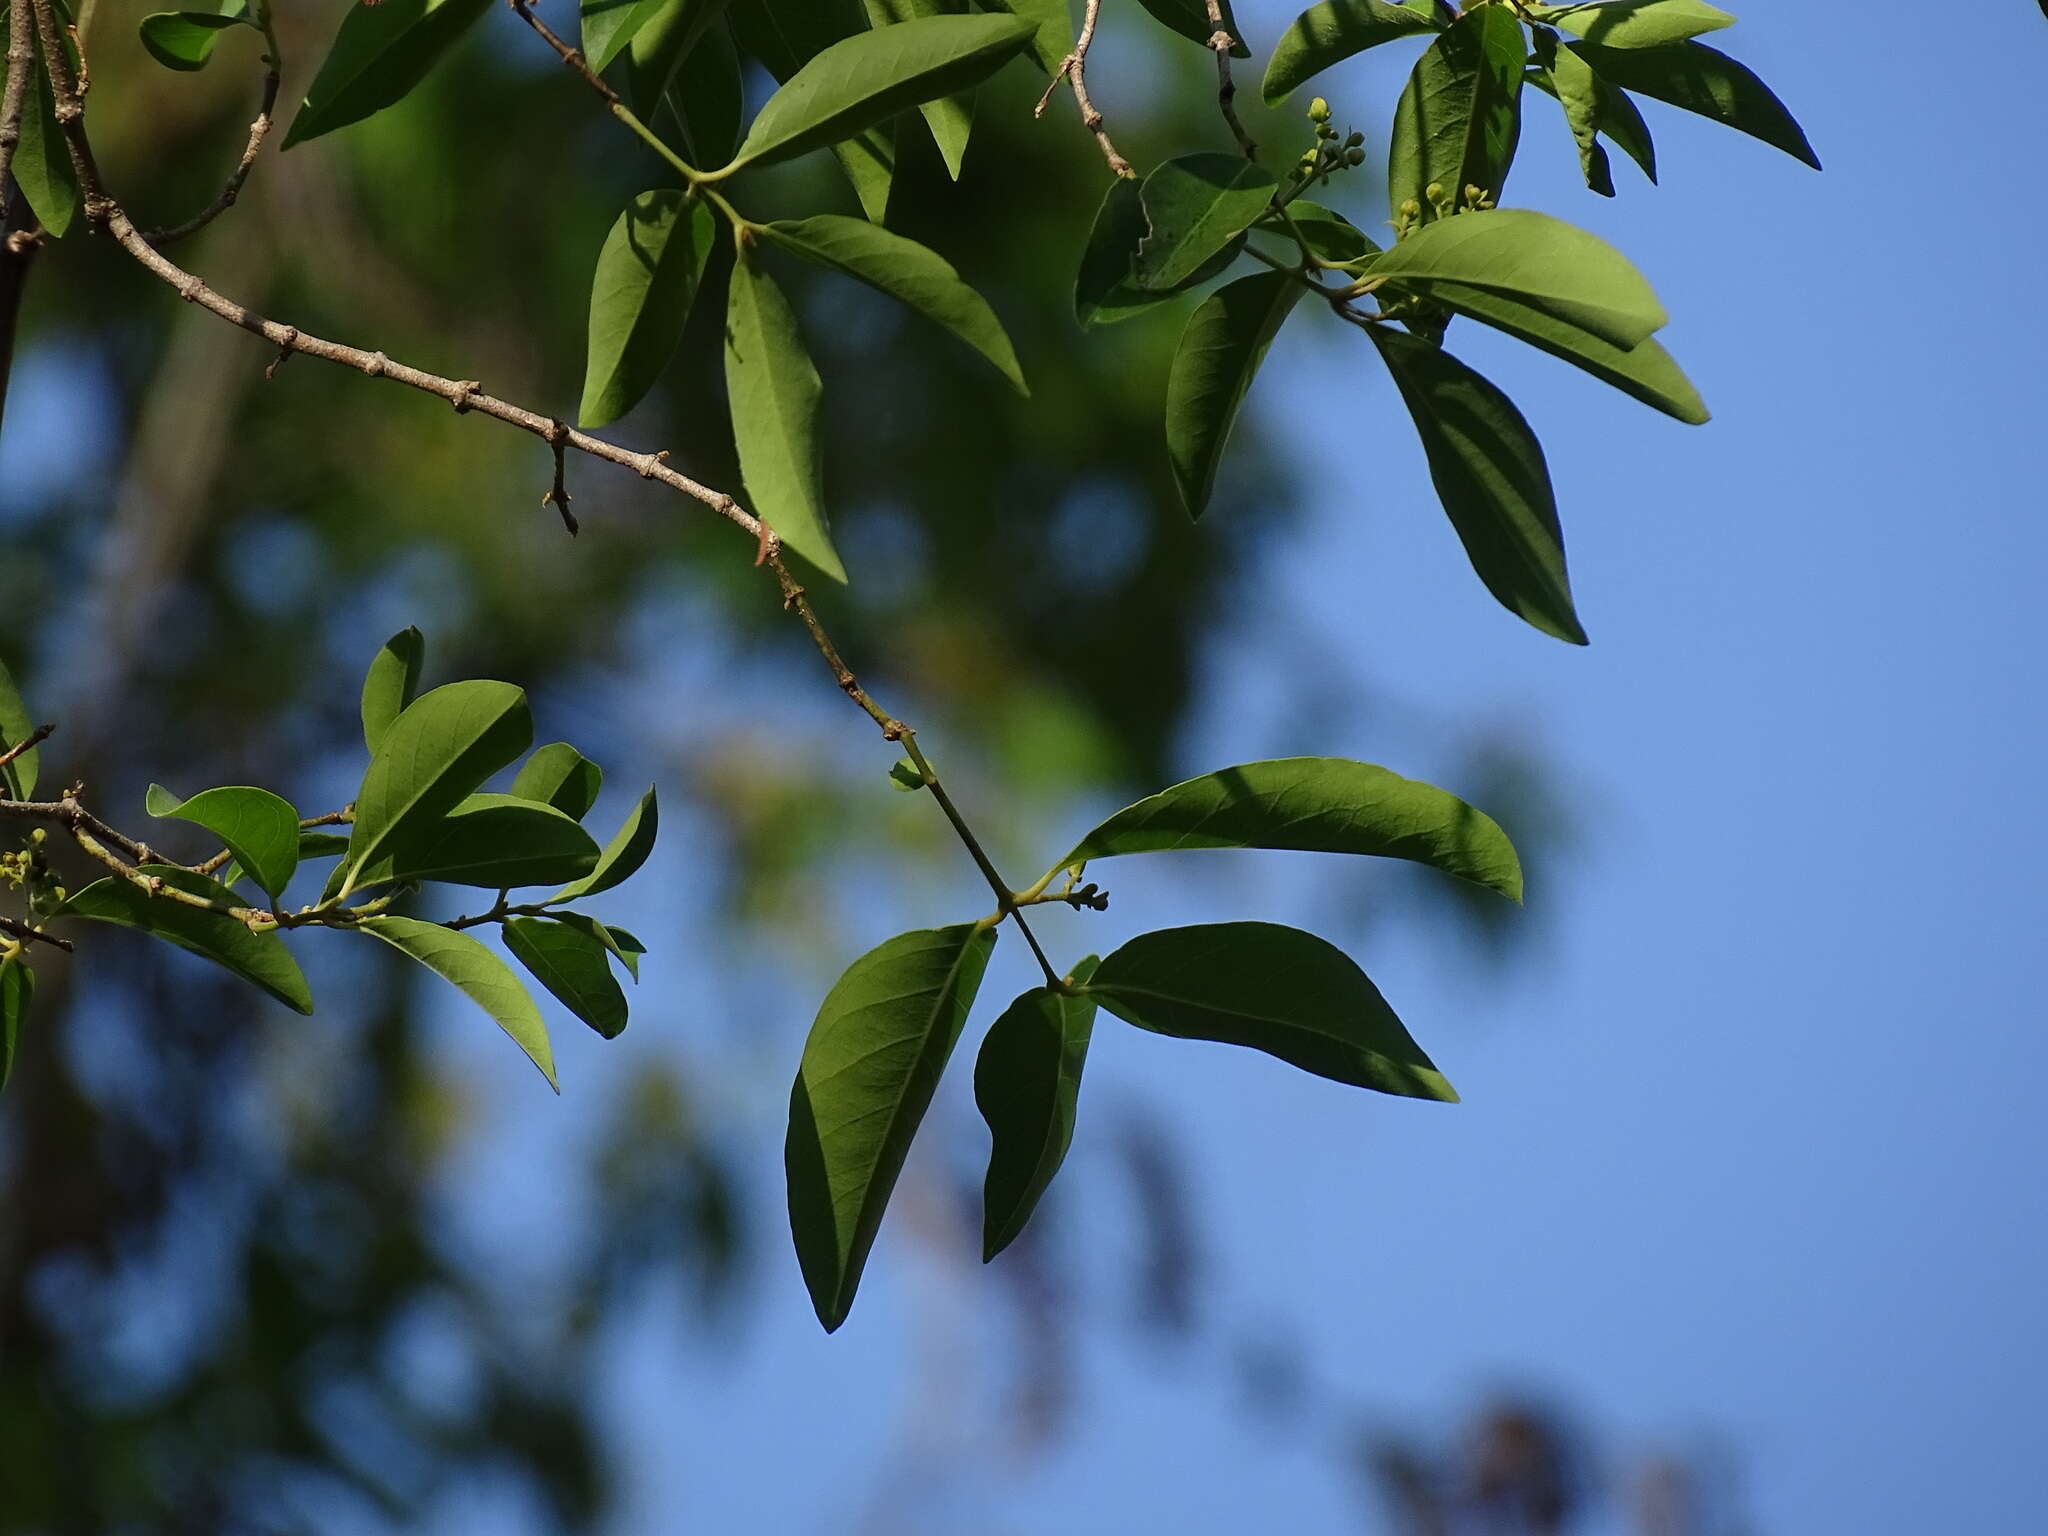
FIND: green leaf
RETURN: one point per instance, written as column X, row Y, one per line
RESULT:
column 773, row 390
column 480, row 975
column 784, row 35
column 259, row 828
column 708, row 97
column 1645, row 370
column 17, row 991
column 609, row 25
column 381, row 52
column 905, row 775
column 620, row 944
column 392, row 682
column 658, row 47
column 444, row 744
column 558, row 775
column 1194, row 207
column 42, row 161
column 1224, row 343
column 1190, row 18
column 1329, row 33
column 1313, row 805
column 1276, row 989
column 1052, row 23
column 18, row 778
column 861, row 81
column 1103, row 289
column 574, row 966
column 312, row 845
column 908, row 272
column 493, row 841
column 184, row 39
column 623, row 855
column 1329, row 234
column 869, row 1069
column 1460, row 116
column 260, row 958
column 1545, row 263
column 1580, row 92
column 950, row 118
column 1634, row 23
column 640, row 298
column 1489, row 472
column 1699, row 79
column 1027, row 1083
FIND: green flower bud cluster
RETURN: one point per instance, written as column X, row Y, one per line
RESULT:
column 1329, row 153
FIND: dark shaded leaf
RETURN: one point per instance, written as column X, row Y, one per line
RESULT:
column 1194, row 207
column 184, row 40
column 18, row 778
column 658, row 47
column 17, row 991
column 259, row 958
column 1190, row 18
column 1027, row 1084
column 574, row 966
column 1699, row 79
column 708, row 96
column 1459, row 118
column 1225, row 341
column 1052, row 22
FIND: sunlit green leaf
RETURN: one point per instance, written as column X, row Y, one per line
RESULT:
column 1329, row 33
column 558, row 775
column 1313, row 804
column 392, row 682
column 1489, row 472
column 18, row 778
column 42, row 161
column 623, row 855
column 784, row 35
column 381, row 52
column 950, row 118
column 1569, row 79
column 1052, row 22
column 773, row 390
column 572, row 965
column 17, row 991
column 1190, row 18
column 480, row 975
column 869, row 1069
column 1459, row 119
column 1027, row 1084
column 609, row 25
column 1276, row 989
column 863, row 80
column 1103, row 288
column 1221, row 349
column 184, row 39
column 908, row 272
column 1194, row 207
column 260, row 958
column 493, row 841
column 444, row 744
column 1699, row 79
column 640, row 298
column 1634, row 23
column 259, row 828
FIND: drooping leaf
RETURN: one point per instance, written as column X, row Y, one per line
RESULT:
column 1027, row 1085
column 184, row 40
column 560, row 776
column 618, row 943
column 1190, row 18
column 18, row 778
column 42, row 162
column 1645, row 370
column 1329, row 33
column 1568, row 78
column 17, row 991
column 493, row 841
column 259, row 828
column 392, row 682
column 784, row 35
column 1221, row 349
column 381, row 52
column 439, row 749
column 1700, row 79
column 623, row 855
column 260, row 958
column 708, row 96
column 1052, row 23
column 950, row 118
column 1489, row 472
column 478, row 974
column 908, row 272
column 1460, row 116
column 659, row 45
column 869, row 1069
column 861, row 81
column 1276, row 989
column 1634, row 23
column 572, row 965
column 1104, row 289
column 1194, row 207
column 774, row 390
column 640, row 298
column 1543, row 262
column 1316, row 805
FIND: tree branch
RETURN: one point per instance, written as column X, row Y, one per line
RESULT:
column 1074, row 69
column 21, row 58
column 259, row 130
column 1220, row 44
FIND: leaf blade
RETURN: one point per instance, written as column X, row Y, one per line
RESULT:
column 18, row 778
column 380, row 53
column 478, row 974
column 1701, row 80
column 259, row 828
column 1634, row 23
column 623, row 855
column 1226, row 339
column 1327, row 34
column 574, row 966
column 560, row 776
column 1027, row 1085
column 640, row 296
column 1194, row 207
column 1459, row 117
column 258, row 958
column 392, row 682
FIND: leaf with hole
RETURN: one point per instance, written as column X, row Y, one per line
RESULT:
column 1275, row 989
column 1699, row 79
column 392, row 682
column 560, row 776
column 381, row 52
column 1313, row 805
column 258, row 958
column 912, row 274
column 478, row 974
column 574, row 966
column 1225, row 341
column 623, row 855
column 1027, row 1085
column 1489, row 472
column 1194, row 208
column 259, row 828
column 640, row 297
column 1460, row 117
column 1329, row 33
column 873, row 1060
column 1103, row 288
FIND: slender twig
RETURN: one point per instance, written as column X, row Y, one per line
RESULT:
column 557, row 495
column 1074, row 69
column 259, row 130
column 21, row 58
column 29, row 743
column 573, row 57
column 28, row 935
column 1220, row 44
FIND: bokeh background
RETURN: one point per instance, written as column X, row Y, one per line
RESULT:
column 1739, row 1226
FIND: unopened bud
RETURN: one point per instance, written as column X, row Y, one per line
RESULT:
column 1354, row 141
column 1354, row 156
column 1319, row 111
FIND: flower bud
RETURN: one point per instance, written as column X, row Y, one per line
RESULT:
column 1319, row 111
